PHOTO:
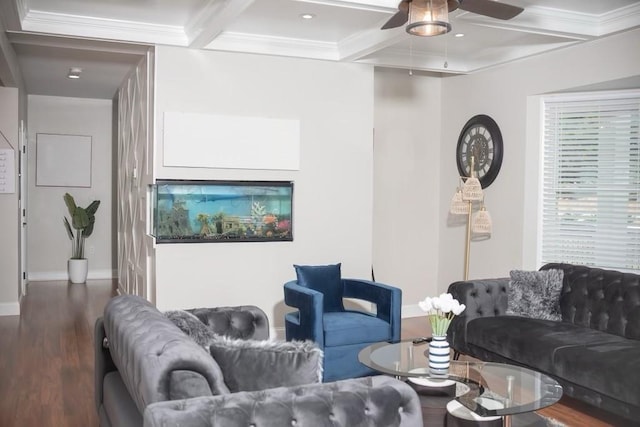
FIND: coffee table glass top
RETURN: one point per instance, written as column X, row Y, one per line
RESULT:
column 492, row 389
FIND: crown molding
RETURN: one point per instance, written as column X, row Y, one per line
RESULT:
column 111, row 29
column 211, row 20
column 417, row 61
column 251, row 43
column 621, row 19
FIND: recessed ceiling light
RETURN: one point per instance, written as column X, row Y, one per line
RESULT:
column 307, row 16
column 74, row 73
column 459, row 35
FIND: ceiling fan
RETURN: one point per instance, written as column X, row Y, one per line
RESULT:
column 434, row 13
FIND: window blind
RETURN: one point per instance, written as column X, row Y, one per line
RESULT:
column 591, row 180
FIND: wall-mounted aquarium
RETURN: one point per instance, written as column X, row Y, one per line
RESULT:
column 222, row 211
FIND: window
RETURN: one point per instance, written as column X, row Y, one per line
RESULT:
column 591, row 180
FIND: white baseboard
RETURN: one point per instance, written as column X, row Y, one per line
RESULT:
column 9, row 309
column 63, row 275
column 412, row 310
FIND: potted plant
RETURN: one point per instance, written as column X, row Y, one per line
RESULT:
column 82, row 221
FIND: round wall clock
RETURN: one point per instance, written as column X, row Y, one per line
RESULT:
column 481, row 139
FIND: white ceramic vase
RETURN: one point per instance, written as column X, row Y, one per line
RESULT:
column 78, row 269
column 439, row 355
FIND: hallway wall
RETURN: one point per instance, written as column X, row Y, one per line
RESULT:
column 48, row 245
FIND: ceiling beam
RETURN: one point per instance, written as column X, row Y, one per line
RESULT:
column 212, row 19
column 559, row 23
column 67, row 42
column 389, row 6
column 366, row 42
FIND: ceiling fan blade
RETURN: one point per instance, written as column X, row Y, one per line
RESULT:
column 491, row 8
column 400, row 18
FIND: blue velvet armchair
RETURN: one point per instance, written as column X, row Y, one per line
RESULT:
column 322, row 318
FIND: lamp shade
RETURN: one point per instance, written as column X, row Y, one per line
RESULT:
column 472, row 189
column 482, row 222
column 428, row 18
column 458, row 206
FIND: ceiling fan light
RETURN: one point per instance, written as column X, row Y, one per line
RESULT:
column 428, row 18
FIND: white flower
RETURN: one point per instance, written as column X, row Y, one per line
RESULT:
column 459, row 309
column 446, row 306
column 426, row 305
column 441, row 310
column 446, row 297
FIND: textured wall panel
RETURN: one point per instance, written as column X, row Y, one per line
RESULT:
column 135, row 174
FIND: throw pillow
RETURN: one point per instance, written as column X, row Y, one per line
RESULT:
column 192, row 326
column 251, row 365
column 325, row 279
column 535, row 294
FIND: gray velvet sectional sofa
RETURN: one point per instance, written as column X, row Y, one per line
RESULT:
column 149, row 372
column 593, row 351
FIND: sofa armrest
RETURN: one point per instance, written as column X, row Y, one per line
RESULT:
column 483, row 298
column 388, row 300
column 153, row 356
column 310, row 315
column 103, row 364
column 374, row 401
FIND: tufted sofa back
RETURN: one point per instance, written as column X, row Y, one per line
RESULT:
column 244, row 321
column 605, row 300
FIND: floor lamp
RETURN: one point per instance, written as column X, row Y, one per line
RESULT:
column 469, row 200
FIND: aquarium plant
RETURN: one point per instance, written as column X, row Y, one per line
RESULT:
column 203, row 219
column 82, row 221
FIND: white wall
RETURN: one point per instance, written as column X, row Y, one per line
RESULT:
column 48, row 245
column 505, row 94
column 9, row 218
column 406, row 183
column 333, row 188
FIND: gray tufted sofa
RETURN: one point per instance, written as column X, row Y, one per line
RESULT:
column 148, row 372
column 594, row 352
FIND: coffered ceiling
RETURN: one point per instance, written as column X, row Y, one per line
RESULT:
column 47, row 31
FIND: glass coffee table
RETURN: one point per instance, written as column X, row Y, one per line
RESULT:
column 482, row 391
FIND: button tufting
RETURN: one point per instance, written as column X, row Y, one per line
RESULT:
column 294, row 422
column 401, row 409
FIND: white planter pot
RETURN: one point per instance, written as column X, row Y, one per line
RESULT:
column 78, row 269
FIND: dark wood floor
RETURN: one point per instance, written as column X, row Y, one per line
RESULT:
column 46, row 367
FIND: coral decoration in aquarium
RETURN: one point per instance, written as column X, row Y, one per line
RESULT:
column 222, row 211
